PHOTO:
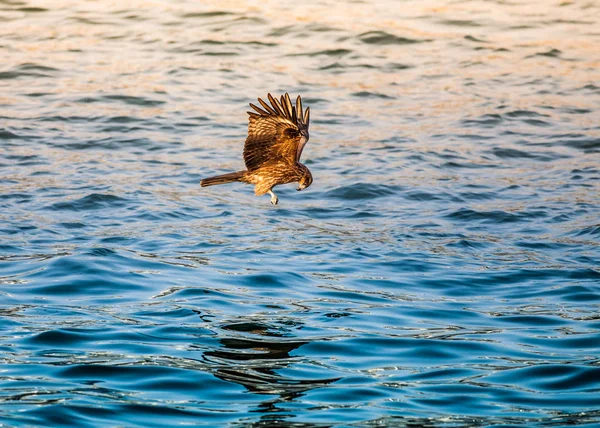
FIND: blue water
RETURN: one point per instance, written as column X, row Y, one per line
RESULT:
column 442, row 270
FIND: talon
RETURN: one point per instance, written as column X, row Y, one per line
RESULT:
column 274, row 198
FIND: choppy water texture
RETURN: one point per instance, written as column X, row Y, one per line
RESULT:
column 443, row 269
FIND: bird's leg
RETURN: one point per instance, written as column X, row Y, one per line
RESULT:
column 274, row 198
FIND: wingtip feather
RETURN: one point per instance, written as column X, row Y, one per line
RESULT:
column 266, row 106
column 282, row 106
column 299, row 107
column 289, row 107
column 258, row 110
column 276, row 104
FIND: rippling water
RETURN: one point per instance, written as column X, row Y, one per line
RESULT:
column 443, row 269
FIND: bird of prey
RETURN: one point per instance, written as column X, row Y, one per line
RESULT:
column 277, row 133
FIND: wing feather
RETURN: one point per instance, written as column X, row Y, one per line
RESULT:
column 276, row 134
column 307, row 116
column 285, row 101
column 259, row 110
column 267, row 107
column 291, row 110
column 276, row 105
column 299, row 106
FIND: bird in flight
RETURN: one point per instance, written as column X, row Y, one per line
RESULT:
column 277, row 133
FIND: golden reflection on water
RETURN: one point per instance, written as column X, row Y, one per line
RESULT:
column 463, row 54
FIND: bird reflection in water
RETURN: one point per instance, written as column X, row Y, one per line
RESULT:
column 254, row 363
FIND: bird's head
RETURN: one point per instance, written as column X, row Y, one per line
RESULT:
column 305, row 180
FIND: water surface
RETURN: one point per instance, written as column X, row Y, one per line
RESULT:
column 442, row 270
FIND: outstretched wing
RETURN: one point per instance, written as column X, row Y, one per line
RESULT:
column 277, row 132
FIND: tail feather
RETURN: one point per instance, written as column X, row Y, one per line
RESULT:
column 222, row 179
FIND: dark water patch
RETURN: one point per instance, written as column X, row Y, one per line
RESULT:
column 383, row 38
column 29, row 66
column 283, row 31
column 101, row 252
column 366, row 94
column 117, row 373
column 250, row 19
column 474, row 137
column 459, row 23
column 340, row 66
column 550, row 377
column 87, row 21
column 394, row 66
column 526, row 116
column 217, row 53
column 240, row 42
column 211, row 14
column 361, row 191
column 485, row 121
column 420, row 195
column 131, row 100
column 27, row 160
column 580, row 142
column 320, row 28
column 552, row 53
column 523, row 113
column 507, row 153
column 117, row 240
column 576, row 110
column 536, row 122
column 93, row 201
column 68, row 119
column 590, row 87
column 530, row 320
column 21, row 197
column 478, row 196
column 272, row 280
column 468, row 244
column 173, row 313
column 85, row 283
column 9, row 75
column 72, row 225
column 577, row 342
column 64, row 338
column 32, row 9
column 431, row 350
column 326, row 52
column 496, row 216
column 123, row 119
column 475, row 39
column 43, row 173
column 468, row 165
column 7, row 135
column 592, row 230
column 120, row 129
column 543, row 245
column 574, row 293
column 126, row 99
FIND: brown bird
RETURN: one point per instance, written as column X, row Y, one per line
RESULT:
column 276, row 137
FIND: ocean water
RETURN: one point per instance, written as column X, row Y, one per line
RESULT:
column 442, row 270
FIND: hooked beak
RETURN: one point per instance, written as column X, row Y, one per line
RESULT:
column 301, row 187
